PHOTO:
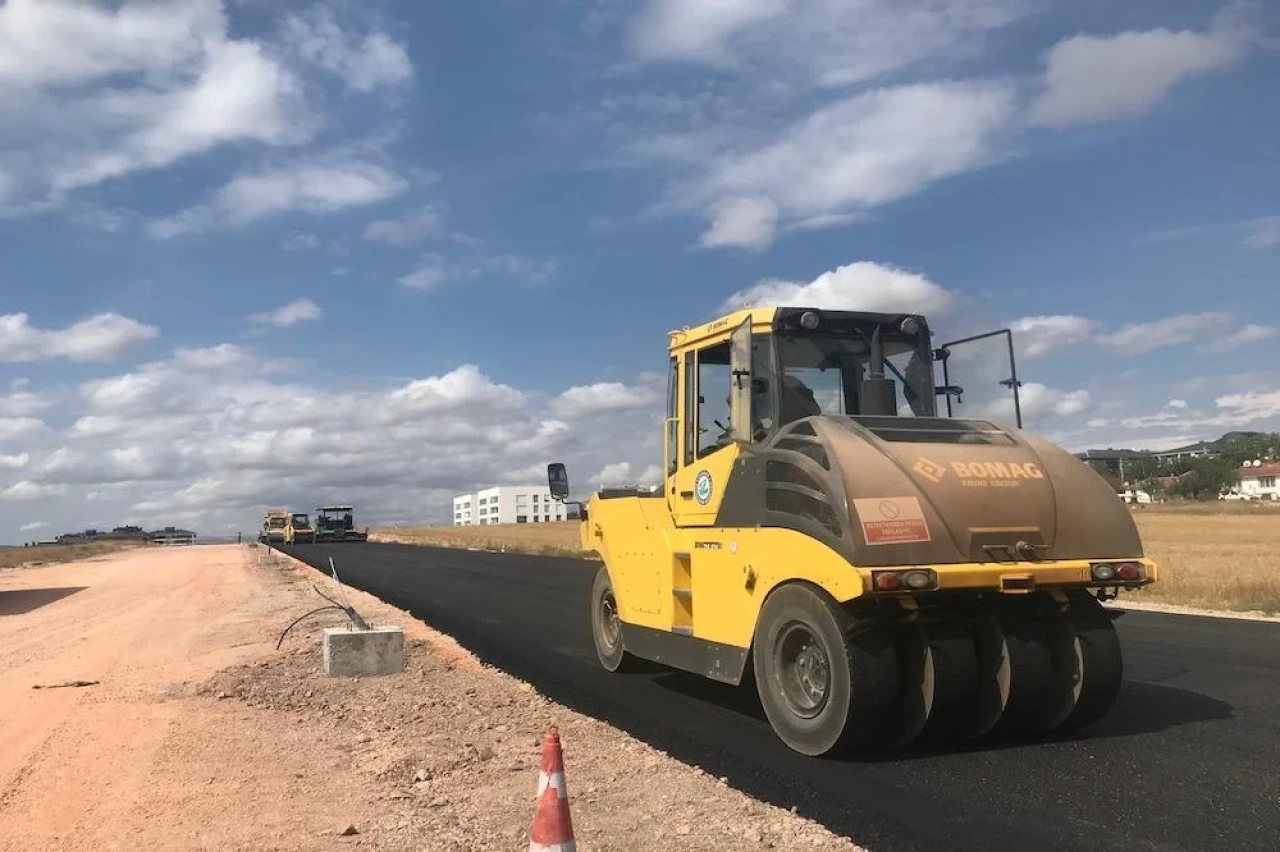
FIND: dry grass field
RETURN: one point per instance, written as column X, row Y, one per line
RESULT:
column 552, row 539
column 16, row 557
column 1221, row 556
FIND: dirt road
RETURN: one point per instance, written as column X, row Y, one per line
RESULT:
column 134, row 759
column 196, row 733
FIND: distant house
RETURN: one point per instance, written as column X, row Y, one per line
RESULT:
column 1112, row 461
column 172, row 536
column 1257, row 482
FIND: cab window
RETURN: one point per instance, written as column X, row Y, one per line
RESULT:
column 713, row 399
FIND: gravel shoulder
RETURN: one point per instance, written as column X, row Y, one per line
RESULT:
column 195, row 732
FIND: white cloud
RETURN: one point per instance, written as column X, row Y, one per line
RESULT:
column 1099, row 78
column 241, row 95
column 34, row 525
column 104, row 337
column 431, row 271
column 26, row 491
column 1246, row 407
column 15, row 461
column 22, row 403
column 849, row 156
column 301, row 241
column 1138, row 338
column 299, row 310
column 1249, row 333
column 15, row 428
column 618, row 474
column 406, row 230
column 434, row 270
column 1040, row 403
column 1040, row 334
column 815, row 42
column 860, row 286
column 225, row 355
column 1264, row 233
column 227, row 445
column 364, row 65
column 322, row 186
column 606, row 397
column 741, row 222
column 95, row 93
column 1176, row 403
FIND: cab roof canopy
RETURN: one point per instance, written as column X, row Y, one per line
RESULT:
column 768, row 318
column 334, row 509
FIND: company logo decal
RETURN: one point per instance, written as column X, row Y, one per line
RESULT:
column 929, row 469
column 702, row 487
column 997, row 470
column 979, row 474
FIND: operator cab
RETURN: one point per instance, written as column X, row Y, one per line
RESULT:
column 300, row 520
column 335, row 517
column 833, row 363
column 739, row 379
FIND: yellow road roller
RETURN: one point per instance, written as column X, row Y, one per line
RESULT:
column 856, row 520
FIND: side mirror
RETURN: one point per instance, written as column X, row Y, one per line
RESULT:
column 558, row 481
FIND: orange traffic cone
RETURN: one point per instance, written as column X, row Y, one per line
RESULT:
column 552, row 829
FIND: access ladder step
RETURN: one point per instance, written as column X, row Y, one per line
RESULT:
column 682, row 592
column 683, row 630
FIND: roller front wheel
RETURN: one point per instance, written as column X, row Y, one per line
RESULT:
column 827, row 687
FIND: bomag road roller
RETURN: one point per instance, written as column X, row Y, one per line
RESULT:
column 299, row 530
column 274, row 522
column 857, row 521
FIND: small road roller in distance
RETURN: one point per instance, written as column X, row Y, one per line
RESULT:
column 299, row 530
column 858, row 522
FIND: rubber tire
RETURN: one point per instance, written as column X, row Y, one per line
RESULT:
column 955, row 685
column 1103, row 662
column 1040, row 657
column 916, row 687
column 863, row 668
column 614, row 658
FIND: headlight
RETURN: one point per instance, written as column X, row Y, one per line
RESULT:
column 809, row 320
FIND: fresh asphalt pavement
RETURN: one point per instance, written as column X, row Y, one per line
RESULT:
column 1188, row 758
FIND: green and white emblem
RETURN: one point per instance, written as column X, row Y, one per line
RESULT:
column 702, row 487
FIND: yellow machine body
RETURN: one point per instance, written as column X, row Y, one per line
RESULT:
column 831, row 501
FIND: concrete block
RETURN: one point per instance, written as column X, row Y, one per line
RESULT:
column 349, row 652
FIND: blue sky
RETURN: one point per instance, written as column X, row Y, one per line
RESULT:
column 278, row 253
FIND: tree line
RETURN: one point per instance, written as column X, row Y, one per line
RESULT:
column 1200, row 478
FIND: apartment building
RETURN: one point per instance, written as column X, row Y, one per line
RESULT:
column 507, row 504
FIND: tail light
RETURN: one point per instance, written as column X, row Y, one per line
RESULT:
column 909, row 579
column 1105, row 572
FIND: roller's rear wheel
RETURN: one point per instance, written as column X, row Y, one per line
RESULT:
column 606, row 627
column 1100, row 660
column 955, row 713
column 1044, row 669
column 827, row 687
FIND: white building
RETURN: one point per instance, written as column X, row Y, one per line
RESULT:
column 1258, row 481
column 507, row 504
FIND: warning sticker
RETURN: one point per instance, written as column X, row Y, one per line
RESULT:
column 891, row 520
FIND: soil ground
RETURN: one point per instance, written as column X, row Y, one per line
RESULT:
column 188, row 730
